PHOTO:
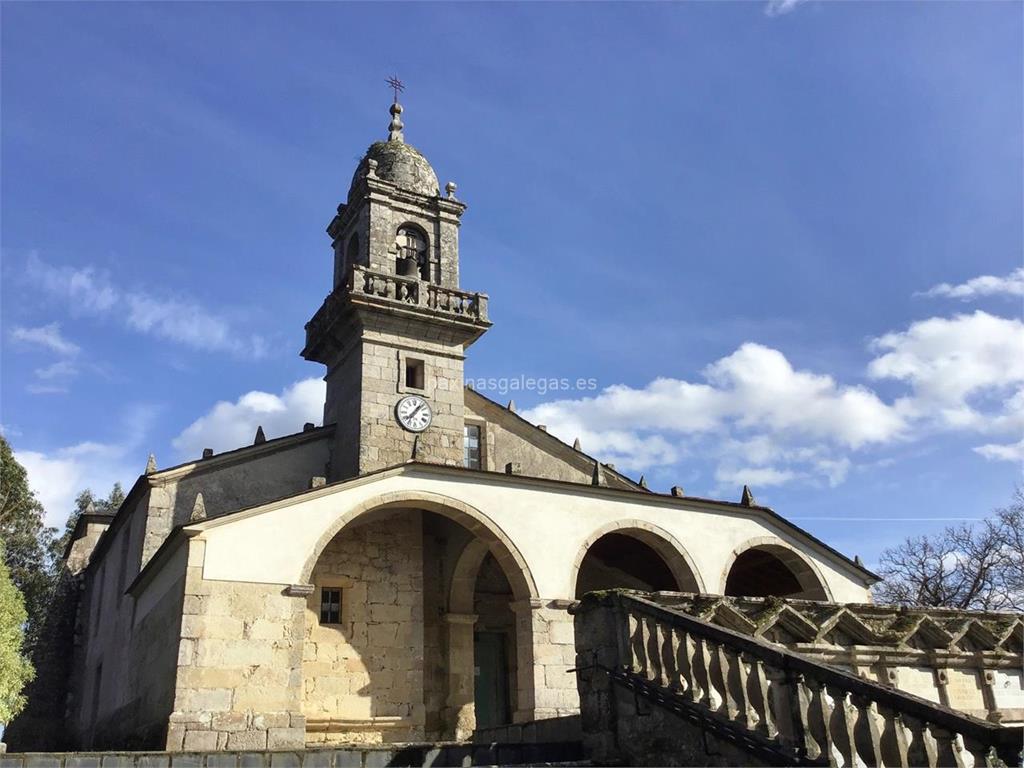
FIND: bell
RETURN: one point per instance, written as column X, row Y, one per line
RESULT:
column 408, row 268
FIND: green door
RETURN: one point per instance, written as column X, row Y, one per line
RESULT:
column 490, row 687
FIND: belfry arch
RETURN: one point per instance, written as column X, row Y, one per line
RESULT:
column 769, row 567
column 633, row 554
column 392, row 620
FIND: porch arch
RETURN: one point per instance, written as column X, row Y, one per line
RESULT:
column 667, row 546
column 456, row 702
column 472, row 519
column 812, row 585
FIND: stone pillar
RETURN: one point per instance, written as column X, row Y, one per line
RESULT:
column 597, row 628
column 460, row 711
column 239, row 675
column 547, row 652
column 988, row 693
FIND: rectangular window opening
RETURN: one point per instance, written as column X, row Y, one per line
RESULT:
column 414, row 374
column 330, row 605
column 471, row 446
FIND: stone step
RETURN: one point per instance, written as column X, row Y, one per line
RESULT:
column 559, row 753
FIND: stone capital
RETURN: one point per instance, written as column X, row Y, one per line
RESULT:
column 461, row 618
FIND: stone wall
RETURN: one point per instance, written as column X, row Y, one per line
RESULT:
column 521, row 752
column 231, row 482
column 363, row 678
column 545, row 664
column 509, row 439
column 239, row 665
column 126, row 645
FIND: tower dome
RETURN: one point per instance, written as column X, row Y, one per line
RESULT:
column 398, row 162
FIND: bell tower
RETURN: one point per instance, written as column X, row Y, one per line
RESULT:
column 394, row 329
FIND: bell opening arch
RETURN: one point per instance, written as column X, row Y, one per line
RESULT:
column 633, row 554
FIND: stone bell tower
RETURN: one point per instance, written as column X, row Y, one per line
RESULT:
column 394, row 329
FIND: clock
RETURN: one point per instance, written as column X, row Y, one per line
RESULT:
column 413, row 413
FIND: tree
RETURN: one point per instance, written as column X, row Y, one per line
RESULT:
column 15, row 670
column 29, row 543
column 970, row 567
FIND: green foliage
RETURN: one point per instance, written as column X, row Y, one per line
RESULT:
column 29, row 543
column 15, row 670
column 86, row 501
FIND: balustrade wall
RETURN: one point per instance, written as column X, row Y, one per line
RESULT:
column 779, row 704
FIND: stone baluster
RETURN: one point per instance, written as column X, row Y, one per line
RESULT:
column 669, row 673
column 841, row 726
column 702, row 669
column 720, row 680
column 687, row 670
column 638, row 662
column 758, row 697
column 736, row 685
column 653, row 653
column 784, row 701
column 949, row 749
column 894, row 741
column 866, row 733
column 982, row 756
column 921, row 748
column 801, row 701
column 820, row 717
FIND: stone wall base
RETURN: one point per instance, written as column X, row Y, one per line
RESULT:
column 191, row 732
column 443, row 754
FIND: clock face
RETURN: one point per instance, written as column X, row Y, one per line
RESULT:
column 413, row 413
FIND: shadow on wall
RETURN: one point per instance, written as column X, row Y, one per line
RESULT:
column 386, row 657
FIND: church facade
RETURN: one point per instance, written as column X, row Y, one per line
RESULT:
column 403, row 572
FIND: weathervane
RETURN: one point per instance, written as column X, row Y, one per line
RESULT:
column 397, row 85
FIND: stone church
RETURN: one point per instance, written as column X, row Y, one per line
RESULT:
column 403, row 573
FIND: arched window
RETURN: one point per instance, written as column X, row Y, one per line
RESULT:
column 344, row 257
column 412, row 259
column 352, row 252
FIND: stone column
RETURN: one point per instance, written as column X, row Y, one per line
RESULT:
column 547, row 651
column 460, row 710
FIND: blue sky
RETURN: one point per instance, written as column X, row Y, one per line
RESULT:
column 737, row 218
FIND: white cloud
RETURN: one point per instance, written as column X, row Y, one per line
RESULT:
column 763, row 422
column 762, row 390
column 227, row 426
column 965, row 372
column 56, row 377
column 977, row 287
column 48, row 336
column 1003, row 452
column 180, row 320
column 754, row 476
column 781, row 7
column 62, row 369
column 55, row 479
column 756, row 417
column 57, row 476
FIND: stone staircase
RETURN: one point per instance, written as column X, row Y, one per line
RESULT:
column 659, row 687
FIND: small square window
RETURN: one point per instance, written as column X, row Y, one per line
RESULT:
column 414, row 374
column 330, row 605
column 471, row 446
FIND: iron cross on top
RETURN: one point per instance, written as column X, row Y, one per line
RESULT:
column 397, row 85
